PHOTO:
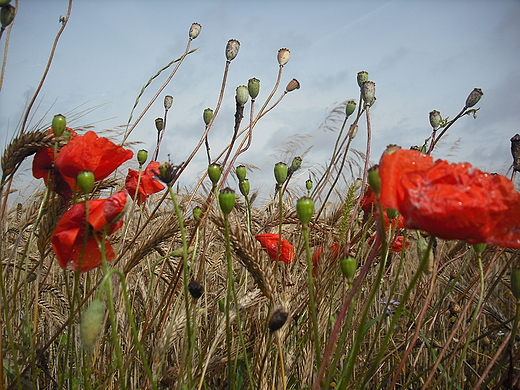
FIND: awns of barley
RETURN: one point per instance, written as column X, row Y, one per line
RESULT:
column 250, row 256
column 21, row 147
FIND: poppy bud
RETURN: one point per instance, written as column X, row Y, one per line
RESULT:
column 353, row 131
column 280, row 172
column 7, row 14
column 283, row 56
column 368, row 91
column 350, row 108
column 277, row 320
column 232, row 48
column 207, row 115
column 91, row 324
column 168, row 102
column 214, row 172
column 226, row 199
column 195, row 288
column 197, row 214
column 362, row 77
column 59, row 122
column 293, row 84
column 241, row 172
column 474, row 97
column 305, row 209
column 159, row 124
column 348, row 268
column 85, row 181
column 242, row 94
column 142, row 156
column 374, row 180
column 308, row 184
column 391, row 213
column 253, row 86
column 244, row 187
column 515, row 282
column 166, row 172
column 296, row 164
column 435, row 119
column 479, row 248
column 195, row 30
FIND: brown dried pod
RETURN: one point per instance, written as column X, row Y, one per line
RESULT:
column 277, row 320
column 195, row 288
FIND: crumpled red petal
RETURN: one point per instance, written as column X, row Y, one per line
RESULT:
column 148, row 185
column 269, row 242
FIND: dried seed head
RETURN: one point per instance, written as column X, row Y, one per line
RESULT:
column 277, row 320
column 195, row 288
column 232, row 48
column 168, row 102
column 435, row 119
column 368, row 92
column 362, row 77
column 195, row 30
column 159, row 124
column 515, row 151
column 474, row 97
column 283, row 56
column 293, row 84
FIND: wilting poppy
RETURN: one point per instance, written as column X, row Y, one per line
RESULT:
column 71, row 246
column 269, row 242
column 451, row 201
column 90, row 153
column 148, row 184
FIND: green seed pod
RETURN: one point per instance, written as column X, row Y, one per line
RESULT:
column 241, row 172
column 59, row 122
column 515, row 282
column 221, row 305
column 283, row 56
column 368, row 92
column 207, row 115
column 85, row 181
column 7, row 14
column 435, row 119
column 253, row 86
column 350, row 108
column 214, row 172
column 242, row 95
column 293, row 84
column 348, row 268
column 91, row 324
column 296, row 164
column 374, row 180
column 226, row 199
column 391, row 213
column 308, row 184
column 168, row 102
column 362, row 77
column 244, row 187
column 474, row 97
column 479, row 248
column 195, row 30
column 277, row 320
column 305, row 209
column 142, row 156
column 232, row 48
column 280, row 172
column 159, row 124
column 197, row 214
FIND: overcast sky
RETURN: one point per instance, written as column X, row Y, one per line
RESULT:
column 422, row 55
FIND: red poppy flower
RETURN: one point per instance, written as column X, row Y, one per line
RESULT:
column 69, row 241
column 148, row 184
column 368, row 203
column 395, row 246
column 269, row 242
column 451, row 201
column 90, row 153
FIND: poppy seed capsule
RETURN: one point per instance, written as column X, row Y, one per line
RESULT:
column 296, row 164
column 368, row 92
column 348, row 268
column 214, row 172
column 374, row 180
column 308, row 184
column 350, row 108
column 168, row 102
column 244, row 187
column 7, row 14
column 195, row 288
column 232, row 48
column 242, row 95
column 362, row 77
column 59, row 122
column 241, row 172
column 253, row 86
column 3, row 3
column 293, row 84
column 353, row 131
column 278, row 319
column 159, row 124
column 226, row 199
column 91, row 324
column 195, row 30
column 283, row 56
column 142, row 156
column 305, row 209
column 515, row 282
column 197, row 213
column 280, row 172
column 474, row 97
column 207, row 115
column 435, row 119
column 85, row 181
column 166, row 172
column 479, row 248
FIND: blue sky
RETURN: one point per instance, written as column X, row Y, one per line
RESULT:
column 422, row 55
